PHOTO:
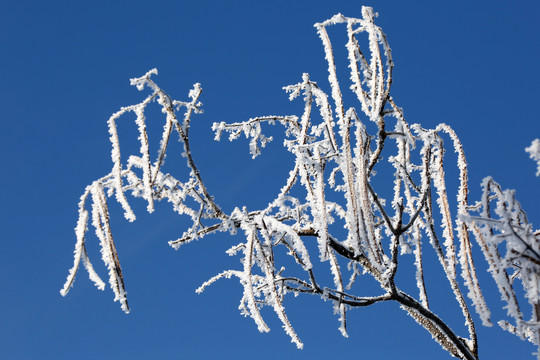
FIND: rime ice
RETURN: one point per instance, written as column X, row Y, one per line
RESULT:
column 335, row 152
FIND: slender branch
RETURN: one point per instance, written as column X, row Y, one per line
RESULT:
column 196, row 235
column 408, row 301
column 381, row 209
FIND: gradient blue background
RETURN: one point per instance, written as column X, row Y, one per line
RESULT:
column 65, row 67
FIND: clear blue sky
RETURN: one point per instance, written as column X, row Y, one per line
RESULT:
column 65, row 69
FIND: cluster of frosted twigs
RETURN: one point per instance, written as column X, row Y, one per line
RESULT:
column 334, row 152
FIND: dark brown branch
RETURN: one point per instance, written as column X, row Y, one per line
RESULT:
column 418, row 211
column 410, row 302
column 381, row 209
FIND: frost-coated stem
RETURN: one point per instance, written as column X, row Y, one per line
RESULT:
column 408, row 301
column 187, row 151
column 329, row 197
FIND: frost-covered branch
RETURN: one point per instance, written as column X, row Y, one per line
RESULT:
column 511, row 247
column 335, row 196
column 534, row 153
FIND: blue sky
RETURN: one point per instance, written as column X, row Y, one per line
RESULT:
column 66, row 69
